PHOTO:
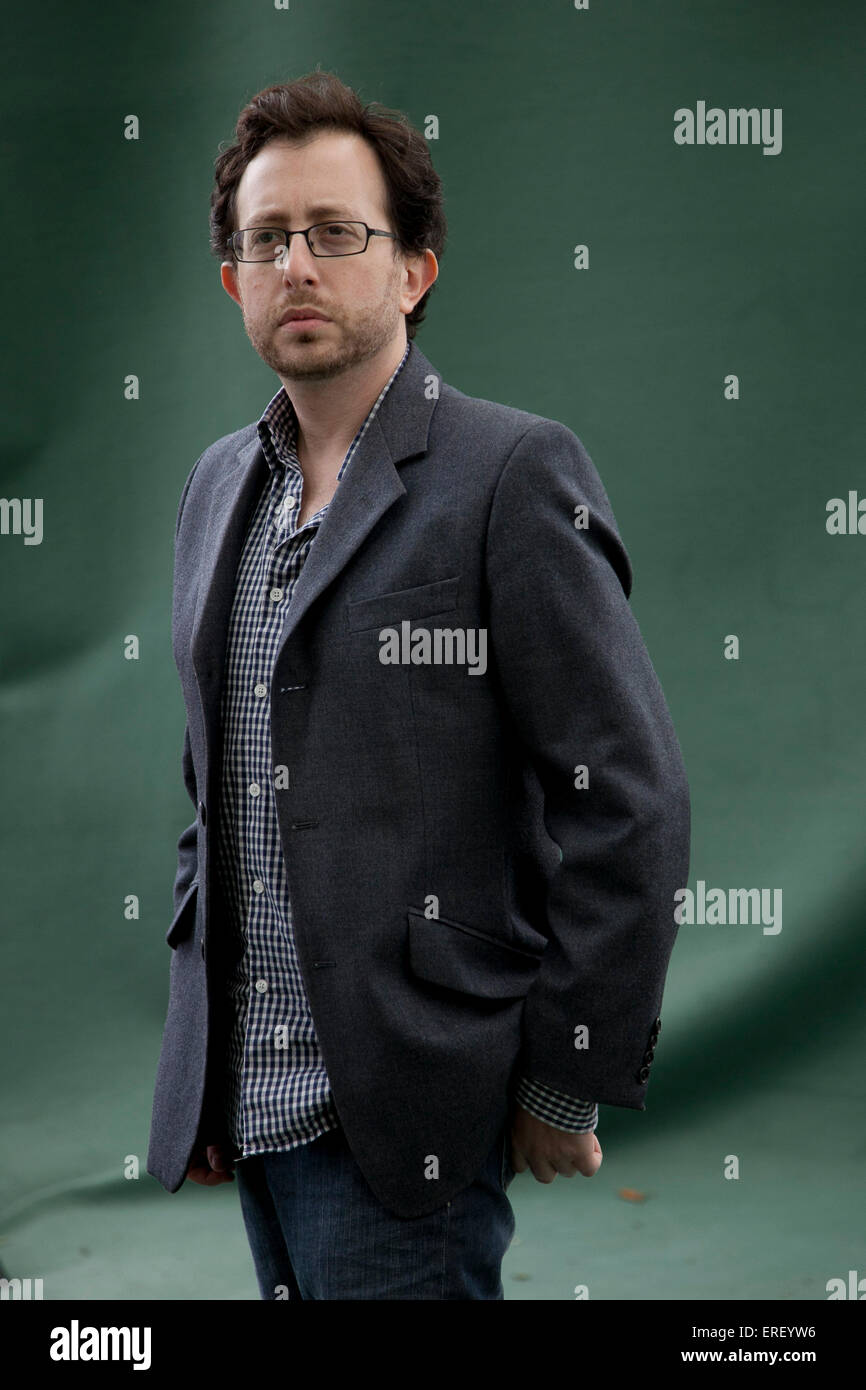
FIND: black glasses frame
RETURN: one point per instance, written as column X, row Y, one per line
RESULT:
column 305, row 233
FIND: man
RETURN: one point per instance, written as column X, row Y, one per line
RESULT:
column 424, row 914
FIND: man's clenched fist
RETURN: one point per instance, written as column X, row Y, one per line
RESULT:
column 549, row 1151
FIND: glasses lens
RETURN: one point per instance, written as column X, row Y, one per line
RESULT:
column 338, row 238
column 258, row 243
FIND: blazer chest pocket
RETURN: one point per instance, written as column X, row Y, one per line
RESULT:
column 183, row 921
column 389, row 610
column 463, row 958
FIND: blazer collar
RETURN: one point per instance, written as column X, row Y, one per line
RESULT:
column 370, row 485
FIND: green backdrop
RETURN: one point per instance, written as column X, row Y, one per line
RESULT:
column 556, row 129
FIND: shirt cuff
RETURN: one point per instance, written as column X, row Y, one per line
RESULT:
column 554, row 1108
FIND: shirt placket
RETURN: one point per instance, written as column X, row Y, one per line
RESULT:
column 266, row 947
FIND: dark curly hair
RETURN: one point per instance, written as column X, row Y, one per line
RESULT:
column 320, row 101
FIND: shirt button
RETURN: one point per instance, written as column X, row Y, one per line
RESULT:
column 276, row 595
column 258, row 886
column 260, row 690
column 261, row 986
column 254, row 789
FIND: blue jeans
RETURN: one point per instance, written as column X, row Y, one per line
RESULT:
column 317, row 1231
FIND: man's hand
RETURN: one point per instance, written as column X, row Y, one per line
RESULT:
column 212, row 1164
column 548, row 1151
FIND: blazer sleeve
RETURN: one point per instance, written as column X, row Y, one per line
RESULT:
column 577, row 681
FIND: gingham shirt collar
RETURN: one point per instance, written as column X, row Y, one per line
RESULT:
column 278, row 427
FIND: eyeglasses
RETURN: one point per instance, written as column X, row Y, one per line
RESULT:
column 323, row 239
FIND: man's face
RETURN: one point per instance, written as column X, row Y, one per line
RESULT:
column 293, row 185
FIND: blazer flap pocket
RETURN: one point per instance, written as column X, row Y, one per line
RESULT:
column 388, row 610
column 184, row 919
column 459, row 957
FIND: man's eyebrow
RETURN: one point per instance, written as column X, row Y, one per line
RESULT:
column 264, row 219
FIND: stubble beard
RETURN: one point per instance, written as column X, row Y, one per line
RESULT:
column 302, row 360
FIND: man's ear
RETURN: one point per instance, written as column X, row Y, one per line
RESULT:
column 229, row 277
column 422, row 269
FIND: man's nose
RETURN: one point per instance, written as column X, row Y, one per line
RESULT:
column 296, row 259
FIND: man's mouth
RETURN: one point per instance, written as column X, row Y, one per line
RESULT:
column 302, row 318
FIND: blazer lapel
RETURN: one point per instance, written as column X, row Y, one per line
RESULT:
column 370, row 485
column 232, row 502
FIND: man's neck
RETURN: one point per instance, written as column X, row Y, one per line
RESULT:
column 331, row 411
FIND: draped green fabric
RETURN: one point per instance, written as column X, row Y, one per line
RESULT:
column 706, row 347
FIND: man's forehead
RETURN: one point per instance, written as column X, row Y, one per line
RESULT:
column 332, row 168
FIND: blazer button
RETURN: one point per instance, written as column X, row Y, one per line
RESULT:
column 643, row 1074
column 202, row 813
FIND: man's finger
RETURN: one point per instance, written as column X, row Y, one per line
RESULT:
column 207, row 1177
column 214, row 1167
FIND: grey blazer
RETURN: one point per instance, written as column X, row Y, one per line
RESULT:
column 467, row 904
